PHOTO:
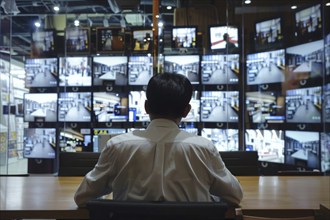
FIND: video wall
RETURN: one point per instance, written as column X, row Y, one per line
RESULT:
column 276, row 100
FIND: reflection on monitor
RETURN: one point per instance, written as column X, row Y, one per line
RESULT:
column 110, row 106
column 305, row 61
column 43, row 43
column 268, row 143
column 109, row 40
column 136, row 101
column 194, row 114
column 41, row 72
column 308, row 23
column 142, row 40
column 110, row 70
column 140, row 70
column 184, row 37
column 268, row 34
column 186, row 65
column 304, row 105
column 265, row 107
column 223, row 139
column 102, row 135
column 75, row 140
column 325, row 152
column 224, row 38
column 326, row 103
column 74, row 107
column 302, row 149
column 220, row 69
column 265, row 67
column 40, row 107
column 219, row 106
column 75, row 71
column 77, row 40
column 39, row 143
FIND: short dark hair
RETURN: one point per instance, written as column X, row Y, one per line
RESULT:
column 168, row 94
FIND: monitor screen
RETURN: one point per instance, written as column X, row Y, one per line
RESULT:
column 265, row 107
column 43, row 43
column 110, row 106
column 223, row 139
column 194, row 114
column 265, row 67
column 184, row 37
column 140, row 70
column 110, row 70
column 268, row 34
column 308, row 23
column 305, row 61
column 325, row 152
column 75, row 140
column 42, row 72
column 224, row 38
column 110, row 40
column 39, row 143
column 326, row 103
column 187, row 65
column 136, row 101
column 40, row 107
column 102, row 135
column 74, row 107
column 304, row 105
column 220, row 69
column 75, row 71
column 142, row 40
column 268, row 143
column 77, row 40
column 302, row 149
column 219, row 106
column 327, row 55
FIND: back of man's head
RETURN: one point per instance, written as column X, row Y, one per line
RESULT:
column 168, row 95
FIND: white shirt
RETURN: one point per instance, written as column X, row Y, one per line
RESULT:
column 161, row 163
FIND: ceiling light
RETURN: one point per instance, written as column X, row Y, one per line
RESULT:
column 327, row 4
column 169, row 7
column 56, row 8
column 293, row 6
column 37, row 24
column 247, row 2
column 76, row 22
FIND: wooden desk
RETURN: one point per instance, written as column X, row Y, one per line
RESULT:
column 52, row 197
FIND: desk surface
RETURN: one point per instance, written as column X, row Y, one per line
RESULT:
column 52, row 197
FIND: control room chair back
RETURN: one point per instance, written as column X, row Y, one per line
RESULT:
column 241, row 163
column 141, row 210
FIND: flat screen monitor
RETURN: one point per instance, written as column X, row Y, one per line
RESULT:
column 308, row 23
column 39, row 143
column 223, row 139
column 140, row 70
column 41, row 72
column 40, row 107
column 110, row 70
column 184, row 37
column 327, row 55
column 187, row 65
column 75, row 71
column 224, row 38
column 265, row 107
column 43, row 43
column 194, row 114
column 110, row 40
column 304, row 105
column 265, row 67
column 219, row 106
column 305, row 61
column 142, row 40
column 77, row 40
column 302, row 149
column 102, row 135
column 220, row 69
column 268, row 143
column 110, row 106
column 74, row 107
column 268, row 34
column 75, row 140
column 326, row 103
column 136, row 111
column 325, row 152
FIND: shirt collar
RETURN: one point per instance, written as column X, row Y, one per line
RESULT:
column 161, row 122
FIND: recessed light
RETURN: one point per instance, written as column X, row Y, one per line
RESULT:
column 293, row 6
